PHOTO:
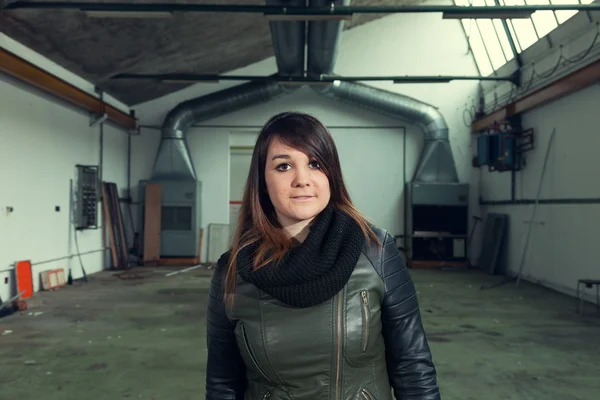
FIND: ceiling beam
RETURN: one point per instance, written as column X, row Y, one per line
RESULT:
column 324, row 79
column 272, row 11
column 27, row 72
column 564, row 86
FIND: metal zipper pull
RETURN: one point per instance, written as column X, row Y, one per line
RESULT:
column 367, row 395
column 267, row 395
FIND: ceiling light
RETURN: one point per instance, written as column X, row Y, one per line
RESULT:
column 127, row 14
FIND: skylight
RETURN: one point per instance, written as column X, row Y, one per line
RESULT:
column 490, row 39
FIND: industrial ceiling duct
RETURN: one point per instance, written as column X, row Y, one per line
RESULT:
column 288, row 41
column 436, row 163
column 436, row 203
column 174, row 171
column 173, row 160
column 323, row 38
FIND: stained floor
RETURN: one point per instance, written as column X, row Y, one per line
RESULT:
column 144, row 338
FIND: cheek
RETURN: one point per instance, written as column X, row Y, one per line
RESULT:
column 323, row 184
column 275, row 186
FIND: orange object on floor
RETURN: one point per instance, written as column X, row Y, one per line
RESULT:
column 24, row 278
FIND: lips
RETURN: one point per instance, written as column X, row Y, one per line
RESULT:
column 302, row 197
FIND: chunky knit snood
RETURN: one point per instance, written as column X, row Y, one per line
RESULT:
column 316, row 270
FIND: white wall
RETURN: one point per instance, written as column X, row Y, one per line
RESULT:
column 371, row 156
column 239, row 166
column 41, row 141
column 563, row 242
column 560, row 249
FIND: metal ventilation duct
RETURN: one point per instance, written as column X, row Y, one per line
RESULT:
column 173, row 159
column 436, row 163
column 323, row 38
column 288, row 41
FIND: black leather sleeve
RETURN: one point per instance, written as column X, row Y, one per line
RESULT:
column 410, row 365
column 225, row 370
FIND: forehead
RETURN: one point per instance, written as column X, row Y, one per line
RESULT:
column 276, row 147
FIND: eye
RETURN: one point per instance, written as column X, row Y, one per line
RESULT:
column 283, row 167
column 315, row 164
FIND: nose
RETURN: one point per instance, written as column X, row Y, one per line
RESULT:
column 302, row 177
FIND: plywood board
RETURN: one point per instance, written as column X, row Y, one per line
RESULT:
column 152, row 217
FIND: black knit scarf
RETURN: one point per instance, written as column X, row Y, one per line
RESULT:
column 314, row 271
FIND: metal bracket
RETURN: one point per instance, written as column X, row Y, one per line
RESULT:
column 96, row 119
column 516, row 78
column 134, row 132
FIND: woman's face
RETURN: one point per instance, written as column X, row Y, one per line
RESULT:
column 298, row 188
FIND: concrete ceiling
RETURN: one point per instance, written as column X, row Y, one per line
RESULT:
column 202, row 43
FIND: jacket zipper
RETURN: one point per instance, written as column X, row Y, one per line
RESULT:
column 367, row 395
column 366, row 319
column 339, row 347
column 267, row 395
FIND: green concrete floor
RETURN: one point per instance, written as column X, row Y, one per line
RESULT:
column 144, row 338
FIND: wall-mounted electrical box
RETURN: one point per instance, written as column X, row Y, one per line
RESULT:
column 483, row 150
column 86, row 197
column 501, row 151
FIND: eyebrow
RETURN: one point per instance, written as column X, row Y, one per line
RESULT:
column 283, row 156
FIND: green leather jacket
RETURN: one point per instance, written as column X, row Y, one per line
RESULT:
column 365, row 343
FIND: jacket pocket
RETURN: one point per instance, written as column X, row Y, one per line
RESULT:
column 366, row 395
column 366, row 320
column 362, row 328
column 249, row 354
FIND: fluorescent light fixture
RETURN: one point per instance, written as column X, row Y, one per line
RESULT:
column 508, row 14
column 127, row 14
column 307, row 17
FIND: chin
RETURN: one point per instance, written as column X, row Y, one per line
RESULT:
column 304, row 215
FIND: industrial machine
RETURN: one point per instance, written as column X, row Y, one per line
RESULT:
column 180, row 216
column 438, row 216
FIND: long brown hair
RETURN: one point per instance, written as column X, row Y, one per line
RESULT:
column 258, row 221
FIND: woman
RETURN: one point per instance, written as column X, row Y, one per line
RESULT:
column 311, row 302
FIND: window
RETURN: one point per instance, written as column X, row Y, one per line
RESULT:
column 490, row 39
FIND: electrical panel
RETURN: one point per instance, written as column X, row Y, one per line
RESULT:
column 501, row 149
column 87, row 197
column 483, row 150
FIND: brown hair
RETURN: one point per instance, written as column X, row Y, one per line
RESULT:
column 258, row 221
